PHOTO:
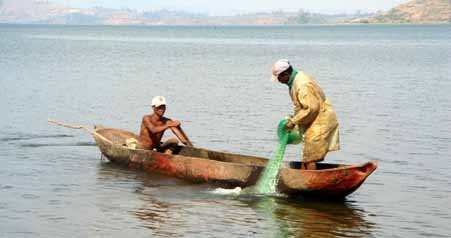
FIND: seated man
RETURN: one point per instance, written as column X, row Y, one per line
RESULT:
column 153, row 127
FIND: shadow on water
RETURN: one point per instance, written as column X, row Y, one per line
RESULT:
column 168, row 202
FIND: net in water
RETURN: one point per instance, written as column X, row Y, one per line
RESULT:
column 268, row 180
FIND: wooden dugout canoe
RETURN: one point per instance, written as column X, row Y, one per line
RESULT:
column 227, row 170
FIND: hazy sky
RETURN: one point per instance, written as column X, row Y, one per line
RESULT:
column 227, row 7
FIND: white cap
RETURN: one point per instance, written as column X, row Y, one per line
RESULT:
column 158, row 101
column 278, row 67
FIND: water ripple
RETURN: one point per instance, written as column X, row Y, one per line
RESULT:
column 21, row 137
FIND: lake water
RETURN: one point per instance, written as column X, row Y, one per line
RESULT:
column 390, row 86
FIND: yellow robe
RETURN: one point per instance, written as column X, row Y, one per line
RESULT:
column 315, row 116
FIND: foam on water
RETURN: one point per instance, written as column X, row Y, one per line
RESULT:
column 223, row 191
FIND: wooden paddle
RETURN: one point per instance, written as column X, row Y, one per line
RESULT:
column 178, row 131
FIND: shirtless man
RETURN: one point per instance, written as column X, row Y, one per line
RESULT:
column 153, row 127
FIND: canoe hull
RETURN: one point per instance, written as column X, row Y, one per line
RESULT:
column 333, row 183
column 231, row 170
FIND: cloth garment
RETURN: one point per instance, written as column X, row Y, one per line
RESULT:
column 314, row 115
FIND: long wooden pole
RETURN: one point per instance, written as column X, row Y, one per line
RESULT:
column 72, row 126
column 178, row 131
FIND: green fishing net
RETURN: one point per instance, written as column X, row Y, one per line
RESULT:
column 293, row 137
column 268, row 180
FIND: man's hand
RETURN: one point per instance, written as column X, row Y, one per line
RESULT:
column 173, row 123
column 289, row 126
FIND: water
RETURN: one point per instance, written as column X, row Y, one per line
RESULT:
column 388, row 84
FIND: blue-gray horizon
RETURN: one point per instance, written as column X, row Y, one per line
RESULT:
column 233, row 7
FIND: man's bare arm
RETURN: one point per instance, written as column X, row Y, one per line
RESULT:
column 157, row 129
column 153, row 128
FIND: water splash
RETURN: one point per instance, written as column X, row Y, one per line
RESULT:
column 223, row 191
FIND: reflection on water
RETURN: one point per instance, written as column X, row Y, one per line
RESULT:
column 156, row 215
column 171, row 208
column 313, row 219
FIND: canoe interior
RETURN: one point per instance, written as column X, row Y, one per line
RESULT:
column 119, row 137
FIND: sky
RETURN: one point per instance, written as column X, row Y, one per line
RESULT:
column 230, row 7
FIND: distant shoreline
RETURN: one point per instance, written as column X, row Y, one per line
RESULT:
column 229, row 25
column 428, row 12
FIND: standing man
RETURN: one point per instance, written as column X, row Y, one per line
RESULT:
column 313, row 113
column 154, row 125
